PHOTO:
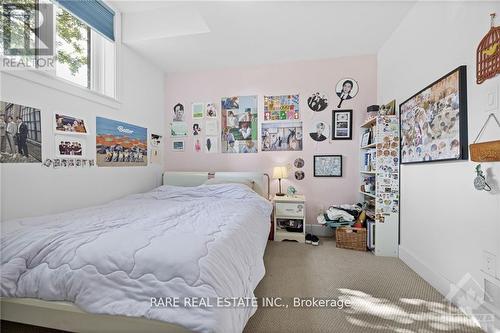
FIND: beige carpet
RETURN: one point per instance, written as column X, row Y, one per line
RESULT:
column 387, row 295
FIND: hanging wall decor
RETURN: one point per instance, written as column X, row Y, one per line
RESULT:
column 346, row 89
column 485, row 151
column 434, row 121
column 284, row 107
column 239, row 124
column 480, row 181
column 488, row 54
column 317, row 101
column 320, row 131
column 298, row 163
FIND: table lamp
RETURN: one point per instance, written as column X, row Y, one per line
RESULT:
column 279, row 173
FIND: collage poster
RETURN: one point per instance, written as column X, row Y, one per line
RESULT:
column 282, row 136
column 239, row 124
column 285, row 107
column 120, row 144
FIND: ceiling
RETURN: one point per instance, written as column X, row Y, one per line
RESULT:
column 193, row 36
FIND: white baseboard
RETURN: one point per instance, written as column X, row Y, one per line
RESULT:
column 443, row 286
column 319, row 230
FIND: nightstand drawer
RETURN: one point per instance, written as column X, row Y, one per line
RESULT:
column 290, row 209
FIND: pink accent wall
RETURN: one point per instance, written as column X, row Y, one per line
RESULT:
column 280, row 79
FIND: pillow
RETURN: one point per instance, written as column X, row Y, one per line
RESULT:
column 214, row 181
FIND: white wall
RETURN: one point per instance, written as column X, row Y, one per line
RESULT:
column 31, row 189
column 445, row 222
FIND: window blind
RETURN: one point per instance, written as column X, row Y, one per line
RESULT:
column 93, row 12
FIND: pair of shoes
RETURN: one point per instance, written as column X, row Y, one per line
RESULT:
column 312, row 239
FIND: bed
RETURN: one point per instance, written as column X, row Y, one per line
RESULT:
column 98, row 269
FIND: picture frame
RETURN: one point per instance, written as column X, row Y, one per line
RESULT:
column 365, row 139
column 342, row 125
column 433, row 122
column 69, row 125
column 327, row 165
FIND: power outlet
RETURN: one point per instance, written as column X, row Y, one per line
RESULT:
column 491, row 98
column 489, row 263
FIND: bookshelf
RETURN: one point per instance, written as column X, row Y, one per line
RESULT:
column 379, row 182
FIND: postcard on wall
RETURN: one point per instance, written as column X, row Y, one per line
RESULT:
column 285, row 107
column 210, row 144
column 211, row 127
column 155, row 154
column 198, row 144
column 120, row 144
column 178, row 112
column 198, row 110
column 178, row 145
column 69, row 125
column 211, row 110
column 178, row 129
column 239, row 124
column 21, row 140
column 70, row 146
column 282, row 136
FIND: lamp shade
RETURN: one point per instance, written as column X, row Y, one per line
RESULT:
column 280, row 172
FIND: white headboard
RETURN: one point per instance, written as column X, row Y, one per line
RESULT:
column 181, row 178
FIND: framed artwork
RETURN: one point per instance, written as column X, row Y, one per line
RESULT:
column 178, row 145
column 433, row 122
column 284, row 107
column 282, row 136
column 317, row 102
column 120, row 144
column 365, row 139
column 239, row 124
column 342, row 125
column 327, row 166
column 70, row 146
column 346, row 89
column 320, row 131
column 64, row 124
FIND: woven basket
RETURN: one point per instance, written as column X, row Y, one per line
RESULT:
column 351, row 238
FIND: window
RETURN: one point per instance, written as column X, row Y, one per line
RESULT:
column 72, row 48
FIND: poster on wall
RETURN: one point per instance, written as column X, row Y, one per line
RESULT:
column 21, row 134
column 434, row 121
column 281, row 136
column 120, row 144
column 317, row 101
column 346, row 89
column 239, row 124
column 198, row 110
column 284, row 107
column 70, row 146
column 211, row 144
column 65, row 124
column 178, row 129
column 155, row 154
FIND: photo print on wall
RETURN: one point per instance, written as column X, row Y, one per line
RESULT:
column 69, row 125
column 178, row 145
column 211, row 144
column 120, row 144
column 211, row 110
column 155, row 155
column 319, row 131
column 239, row 124
column 196, row 129
column 282, row 136
column 434, row 121
column 197, row 144
column 284, row 107
column 198, row 110
column 21, row 139
column 298, row 163
column 317, row 102
column 178, row 112
column 299, row 175
column 346, row 89
column 70, row 146
column 178, row 129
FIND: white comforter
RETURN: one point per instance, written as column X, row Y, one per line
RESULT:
column 205, row 241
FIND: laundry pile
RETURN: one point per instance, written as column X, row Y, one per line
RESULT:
column 341, row 215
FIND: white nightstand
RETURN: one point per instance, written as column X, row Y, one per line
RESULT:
column 288, row 209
